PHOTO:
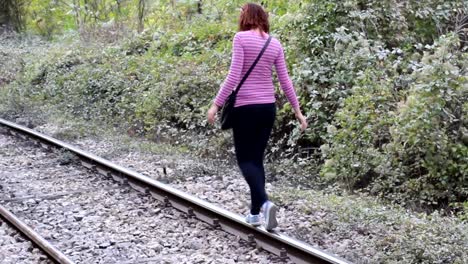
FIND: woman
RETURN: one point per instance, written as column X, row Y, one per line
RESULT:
column 255, row 111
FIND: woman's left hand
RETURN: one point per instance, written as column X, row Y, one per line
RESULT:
column 212, row 113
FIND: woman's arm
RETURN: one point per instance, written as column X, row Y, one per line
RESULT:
column 232, row 79
column 235, row 72
column 287, row 87
column 285, row 81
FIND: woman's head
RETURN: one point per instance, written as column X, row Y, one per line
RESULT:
column 253, row 16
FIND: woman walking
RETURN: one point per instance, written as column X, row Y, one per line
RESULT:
column 254, row 110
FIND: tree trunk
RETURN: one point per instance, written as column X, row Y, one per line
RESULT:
column 119, row 7
column 199, row 7
column 77, row 13
column 141, row 15
column 5, row 20
column 18, row 13
column 11, row 14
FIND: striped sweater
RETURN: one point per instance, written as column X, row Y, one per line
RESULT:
column 258, row 88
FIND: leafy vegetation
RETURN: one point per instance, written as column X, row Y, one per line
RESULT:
column 383, row 83
column 377, row 233
column 11, row 14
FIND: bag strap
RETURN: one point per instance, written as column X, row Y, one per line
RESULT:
column 253, row 66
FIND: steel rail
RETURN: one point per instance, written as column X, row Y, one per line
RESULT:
column 274, row 242
column 37, row 239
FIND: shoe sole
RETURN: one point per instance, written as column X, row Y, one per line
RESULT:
column 256, row 224
column 270, row 217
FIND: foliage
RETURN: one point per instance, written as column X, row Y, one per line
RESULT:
column 354, row 111
column 333, row 41
column 405, row 148
column 12, row 14
column 382, row 83
column 376, row 233
column 357, row 145
column 427, row 134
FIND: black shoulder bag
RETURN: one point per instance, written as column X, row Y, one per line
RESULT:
column 228, row 107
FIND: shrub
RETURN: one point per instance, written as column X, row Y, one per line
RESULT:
column 386, row 107
column 409, row 151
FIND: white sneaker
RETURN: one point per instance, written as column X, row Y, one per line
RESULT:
column 254, row 220
column 269, row 210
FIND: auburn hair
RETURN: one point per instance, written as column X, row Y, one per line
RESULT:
column 253, row 16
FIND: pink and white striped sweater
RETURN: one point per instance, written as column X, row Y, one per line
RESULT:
column 258, row 88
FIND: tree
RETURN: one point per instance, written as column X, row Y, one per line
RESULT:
column 141, row 14
column 199, row 7
column 11, row 14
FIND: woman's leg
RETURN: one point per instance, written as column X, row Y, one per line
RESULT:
column 252, row 130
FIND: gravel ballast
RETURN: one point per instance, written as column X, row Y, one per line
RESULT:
column 15, row 248
column 93, row 219
column 358, row 228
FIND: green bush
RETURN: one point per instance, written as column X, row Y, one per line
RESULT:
column 356, row 148
column 427, row 149
column 409, row 151
column 385, row 103
column 331, row 42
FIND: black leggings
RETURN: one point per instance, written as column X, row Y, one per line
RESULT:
column 252, row 128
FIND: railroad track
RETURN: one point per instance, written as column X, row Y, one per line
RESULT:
column 286, row 248
column 34, row 237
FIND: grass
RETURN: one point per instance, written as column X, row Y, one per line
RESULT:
column 388, row 232
column 380, row 231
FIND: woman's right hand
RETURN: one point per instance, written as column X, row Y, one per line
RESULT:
column 212, row 113
column 302, row 120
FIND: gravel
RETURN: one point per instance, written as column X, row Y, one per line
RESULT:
column 358, row 228
column 93, row 219
column 14, row 248
column 220, row 184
